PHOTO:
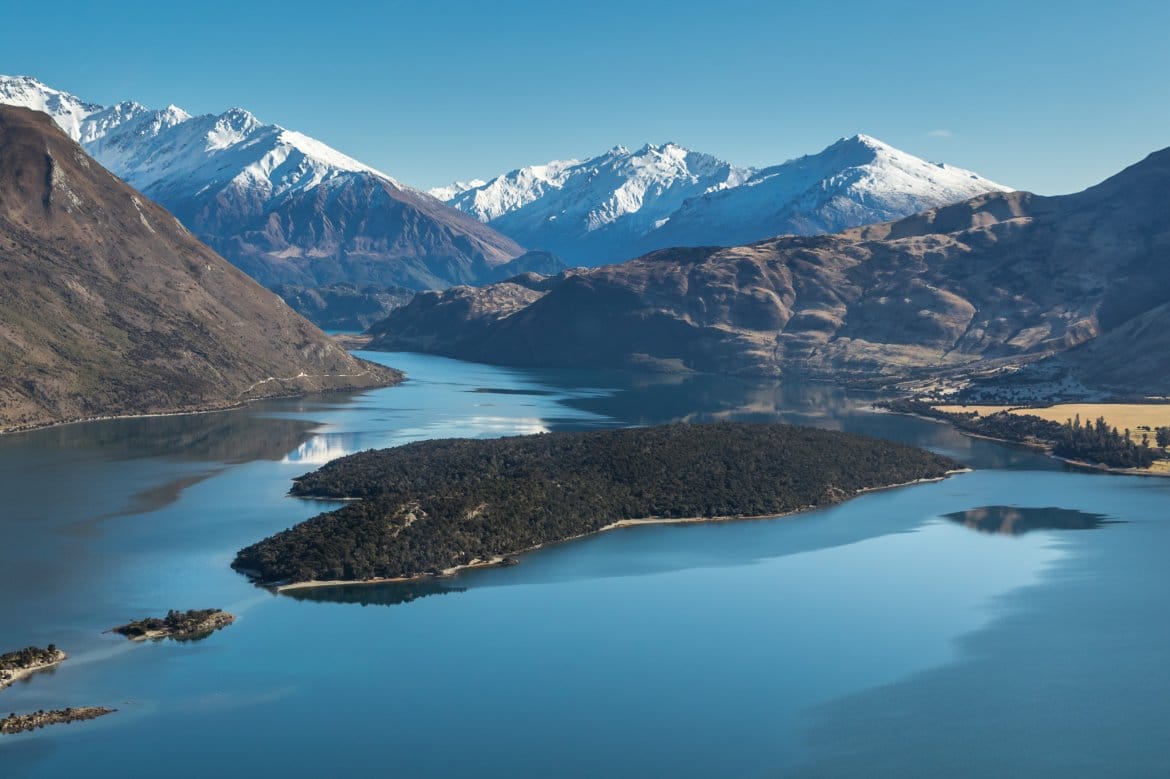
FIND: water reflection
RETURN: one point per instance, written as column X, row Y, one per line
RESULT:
column 1015, row 521
column 643, row 399
column 321, row 449
column 536, row 393
column 479, row 427
column 390, row 594
column 232, row 437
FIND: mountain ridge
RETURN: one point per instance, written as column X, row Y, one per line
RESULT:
column 1004, row 278
column 624, row 203
column 281, row 205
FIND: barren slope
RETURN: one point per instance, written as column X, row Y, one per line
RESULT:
column 109, row 306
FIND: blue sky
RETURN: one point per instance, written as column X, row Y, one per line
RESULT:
column 1046, row 96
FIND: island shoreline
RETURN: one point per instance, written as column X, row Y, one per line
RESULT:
column 19, row 674
column 499, row 560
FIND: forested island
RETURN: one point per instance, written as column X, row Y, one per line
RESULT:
column 432, row 507
column 1092, row 443
column 177, row 625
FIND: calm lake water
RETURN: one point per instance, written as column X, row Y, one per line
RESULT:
column 1012, row 621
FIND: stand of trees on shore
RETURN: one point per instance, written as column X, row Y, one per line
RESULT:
column 1096, row 442
column 430, row 506
column 1099, row 443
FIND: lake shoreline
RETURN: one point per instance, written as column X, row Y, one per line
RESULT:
column 193, row 410
column 500, row 560
column 1036, row 446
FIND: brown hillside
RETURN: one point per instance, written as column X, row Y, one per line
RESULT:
column 109, row 306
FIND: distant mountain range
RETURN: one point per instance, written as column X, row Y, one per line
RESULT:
column 291, row 211
column 109, row 306
column 280, row 205
column 1000, row 279
column 623, row 203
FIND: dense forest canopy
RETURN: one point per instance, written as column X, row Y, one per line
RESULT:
column 429, row 506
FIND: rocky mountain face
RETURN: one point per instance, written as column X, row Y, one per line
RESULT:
column 341, row 306
column 346, row 307
column 625, row 203
column 1129, row 359
column 1003, row 277
column 282, row 206
column 108, row 305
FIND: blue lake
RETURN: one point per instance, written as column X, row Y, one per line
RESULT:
column 1010, row 621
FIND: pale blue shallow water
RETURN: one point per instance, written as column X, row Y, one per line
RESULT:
column 880, row 637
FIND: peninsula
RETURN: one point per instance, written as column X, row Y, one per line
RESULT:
column 1091, row 444
column 177, row 625
column 433, row 507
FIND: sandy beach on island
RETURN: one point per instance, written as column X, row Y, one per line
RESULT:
column 497, row 560
column 12, row 675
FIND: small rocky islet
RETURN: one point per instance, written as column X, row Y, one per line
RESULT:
column 20, row 723
column 177, row 625
column 25, row 662
column 189, row 625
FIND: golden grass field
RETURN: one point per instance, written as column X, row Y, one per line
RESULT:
column 1132, row 416
column 1138, row 418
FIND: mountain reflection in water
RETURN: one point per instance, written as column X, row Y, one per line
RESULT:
column 321, row 449
column 1015, row 521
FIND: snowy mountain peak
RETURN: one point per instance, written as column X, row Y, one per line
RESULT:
column 67, row 110
column 861, row 139
column 454, row 188
column 617, row 192
column 851, row 150
column 231, row 127
column 152, row 148
column 281, row 205
column 240, row 118
column 621, row 203
column 857, row 180
column 668, row 149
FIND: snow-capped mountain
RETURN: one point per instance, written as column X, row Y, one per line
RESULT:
column 856, row 181
column 600, row 209
column 621, row 204
column 68, row 112
column 450, row 191
column 279, row 204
